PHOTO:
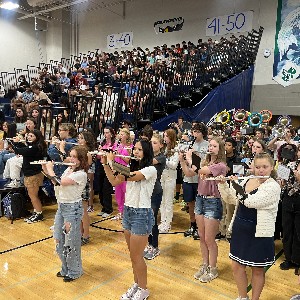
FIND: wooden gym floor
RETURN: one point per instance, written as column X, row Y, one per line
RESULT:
column 29, row 265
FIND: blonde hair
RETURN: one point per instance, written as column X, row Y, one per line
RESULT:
column 159, row 138
column 70, row 127
column 127, row 132
column 265, row 155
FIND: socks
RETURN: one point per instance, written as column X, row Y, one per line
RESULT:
column 194, row 225
column 177, row 195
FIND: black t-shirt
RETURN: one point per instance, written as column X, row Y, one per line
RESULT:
column 230, row 161
column 30, row 153
column 159, row 168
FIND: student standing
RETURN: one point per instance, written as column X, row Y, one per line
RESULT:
column 138, row 217
column 253, row 225
column 68, row 192
column 208, row 207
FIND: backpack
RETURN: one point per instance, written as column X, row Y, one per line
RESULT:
column 14, row 206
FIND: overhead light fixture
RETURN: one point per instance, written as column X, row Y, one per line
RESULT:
column 9, row 5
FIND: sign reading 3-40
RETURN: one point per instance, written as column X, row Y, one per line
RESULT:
column 238, row 22
column 119, row 40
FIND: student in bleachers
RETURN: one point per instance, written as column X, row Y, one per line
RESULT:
column 34, row 114
column 60, row 119
column 20, row 119
column 14, row 164
column 10, row 131
column 39, row 97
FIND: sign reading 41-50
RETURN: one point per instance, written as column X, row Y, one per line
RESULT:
column 238, row 22
column 119, row 40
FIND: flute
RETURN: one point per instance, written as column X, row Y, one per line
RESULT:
column 116, row 155
column 44, row 162
column 242, row 177
column 20, row 141
column 59, row 141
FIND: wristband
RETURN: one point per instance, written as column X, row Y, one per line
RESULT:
column 107, row 164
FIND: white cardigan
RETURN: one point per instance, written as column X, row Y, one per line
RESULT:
column 265, row 201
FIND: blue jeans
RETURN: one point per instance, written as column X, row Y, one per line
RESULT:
column 4, row 156
column 68, row 246
column 138, row 221
column 211, row 208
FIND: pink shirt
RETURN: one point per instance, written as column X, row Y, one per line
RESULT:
column 123, row 150
column 210, row 187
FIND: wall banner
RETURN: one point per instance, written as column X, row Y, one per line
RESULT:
column 169, row 25
column 286, row 66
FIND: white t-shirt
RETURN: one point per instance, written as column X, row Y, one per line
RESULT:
column 138, row 193
column 71, row 193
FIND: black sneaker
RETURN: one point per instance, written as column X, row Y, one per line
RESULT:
column 33, row 214
column 196, row 236
column 220, row 236
column 84, row 241
column 189, row 232
column 286, row 265
column 35, row 218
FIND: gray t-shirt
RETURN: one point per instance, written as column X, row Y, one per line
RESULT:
column 202, row 148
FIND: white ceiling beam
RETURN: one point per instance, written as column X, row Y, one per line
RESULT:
column 20, row 11
column 52, row 9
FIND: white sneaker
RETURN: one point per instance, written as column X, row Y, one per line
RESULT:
column 141, row 294
column 165, row 228
column 14, row 184
column 130, row 292
column 147, row 249
column 105, row 215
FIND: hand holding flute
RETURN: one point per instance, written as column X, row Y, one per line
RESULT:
column 44, row 162
column 222, row 179
column 102, row 153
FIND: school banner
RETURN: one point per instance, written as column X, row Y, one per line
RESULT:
column 286, row 68
column 168, row 25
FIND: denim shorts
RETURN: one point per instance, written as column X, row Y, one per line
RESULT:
column 210, row 208
column 190, row 191
column 138, row 221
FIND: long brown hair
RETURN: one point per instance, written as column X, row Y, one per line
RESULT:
column 171, row 134
column 221, row 157
column 81, row 152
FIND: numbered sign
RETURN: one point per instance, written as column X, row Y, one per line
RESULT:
column 119, row 40
column 233, row 23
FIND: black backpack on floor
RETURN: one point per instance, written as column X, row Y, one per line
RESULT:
column 14, row 206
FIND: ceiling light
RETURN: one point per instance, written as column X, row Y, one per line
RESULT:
column 9, row 5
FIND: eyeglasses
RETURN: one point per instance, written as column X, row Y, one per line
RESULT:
column 62, row 129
